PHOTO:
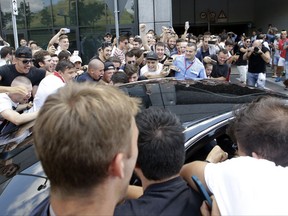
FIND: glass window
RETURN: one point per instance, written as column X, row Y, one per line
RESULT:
column 64, row 13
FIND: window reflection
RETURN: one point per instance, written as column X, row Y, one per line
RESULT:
column 64, row 12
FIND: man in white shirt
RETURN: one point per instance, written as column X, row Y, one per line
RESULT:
column 255, row 183
column 65, row 72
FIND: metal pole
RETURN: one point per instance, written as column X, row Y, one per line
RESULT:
column 15, row 33
column 116, row 19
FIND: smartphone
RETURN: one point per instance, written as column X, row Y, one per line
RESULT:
column 66, row 30
column 202, row 190
column 187, row 25
column 212, row 42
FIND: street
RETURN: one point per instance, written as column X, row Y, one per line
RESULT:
column 270, row 83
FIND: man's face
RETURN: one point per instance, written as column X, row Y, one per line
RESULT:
column 54, row 62
column 222, row 58
column 47, row 63
column 23, row 65
column 171, row 43
column 23, row 42
column 64, row 44
column 229, row 47
column 136, row 44
column 108, row 38
column 108, row 75
column 190, row 52
column 160, row 52
column 130, row 60
column 20, row 98
column 78, row 65
column 124, row 44
column 106, row 53
column 133, row 78
column 152, row 65
column 98, row 73
column 283, row 34
column 68, row 74
column 117, row 66
column 183, row 47
column 205, row 43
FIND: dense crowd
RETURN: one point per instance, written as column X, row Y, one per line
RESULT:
column 52, row 85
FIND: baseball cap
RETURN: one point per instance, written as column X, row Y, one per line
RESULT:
column 74, row 59
column 108, row 66
column 151, row 56
column 23, row 52
column 108, row 33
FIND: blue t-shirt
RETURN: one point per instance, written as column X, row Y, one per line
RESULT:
column 189, row 69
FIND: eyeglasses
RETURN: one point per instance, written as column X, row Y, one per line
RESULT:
column 248, row 41
column 27, row 61
column 131, row 62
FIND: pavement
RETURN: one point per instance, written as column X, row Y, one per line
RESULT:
column 270, row 82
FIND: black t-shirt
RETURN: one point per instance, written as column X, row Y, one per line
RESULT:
column 173, row 197
column 241, row 61
column 256, row 64
column 8, row 73
column 219, row 70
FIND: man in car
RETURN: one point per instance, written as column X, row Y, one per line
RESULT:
column 160, row 158
column 255, row 183
column 86, row 140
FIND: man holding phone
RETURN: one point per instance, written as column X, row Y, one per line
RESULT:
column 255, row 183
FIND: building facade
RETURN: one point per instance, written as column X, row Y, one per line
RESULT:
column 88, row 20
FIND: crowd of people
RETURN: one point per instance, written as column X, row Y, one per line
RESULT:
column 90, row 174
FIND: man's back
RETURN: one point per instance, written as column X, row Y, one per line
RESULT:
column 248, row 186
column 173, row 197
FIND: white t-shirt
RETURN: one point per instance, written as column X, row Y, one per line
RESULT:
column 49, row 85
column 145, row 69
column 6, row 103
column 248, row 186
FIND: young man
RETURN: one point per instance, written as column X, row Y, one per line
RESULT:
column 42, row 59
column 250, row 183
column 188, row 66
column 65, row 72
column 22, row 67
column 104, row 52
column 160, row 158
column 6, row 55
column 152, row 69
column 109, row 70
column 90, row 154
column 10, row 101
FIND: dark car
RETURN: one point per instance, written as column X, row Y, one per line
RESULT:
column 204, row 108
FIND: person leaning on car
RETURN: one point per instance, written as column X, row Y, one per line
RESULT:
column 220, row 67
column 255, row 183
column 87, row 147
column 161, row 156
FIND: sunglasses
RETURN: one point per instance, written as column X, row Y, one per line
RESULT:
column 131, row 62
column 27, row 61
